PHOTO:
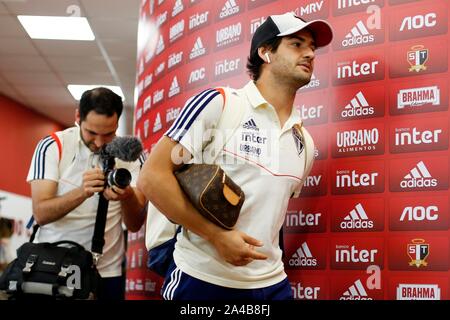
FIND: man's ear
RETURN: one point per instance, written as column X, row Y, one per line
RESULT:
column 77, row 117
column 263, row 53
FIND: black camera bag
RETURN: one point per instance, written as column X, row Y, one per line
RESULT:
column 62, row 269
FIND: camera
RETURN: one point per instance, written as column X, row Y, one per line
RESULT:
column 120, row 178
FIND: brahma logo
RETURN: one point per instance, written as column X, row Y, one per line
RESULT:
column 363, row 177
column 418, row 251
column 177, row 8
column 365, row 141
column 174, row 88
column 226, row 68
column 418, row 97
column 342, row 7
column 424, row 213
column 355, row 292
column 357, row 219
column 418, row 177
column 229, row 9
column 418, row 292
column 359, row 70
column 176, row 31
column 303, row 257
column 419, row 22
column 198, row 50
column 229, row 35
column 198, row 20
column 428, row 135
column 175, row 59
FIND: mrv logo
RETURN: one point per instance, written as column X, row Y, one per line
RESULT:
column 357, row 107
column 418, row 97
column 303, row 257
column 359, row 35
column 419, row 177
column 357, row 219
column 357, row 140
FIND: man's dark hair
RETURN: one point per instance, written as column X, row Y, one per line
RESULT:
column 102, row 101
column 254, row 61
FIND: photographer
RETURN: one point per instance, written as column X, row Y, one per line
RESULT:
column 65, row 197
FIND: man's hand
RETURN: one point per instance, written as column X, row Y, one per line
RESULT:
column 237, row 248
column 117, row 194
column 93, row 181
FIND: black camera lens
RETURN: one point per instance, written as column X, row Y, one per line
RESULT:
column 119, row 177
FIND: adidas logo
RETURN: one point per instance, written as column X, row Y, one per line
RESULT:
column 230, row 8
column 357, row 219
column 251, row 125
column 357, row 107
column 313, row 83
column 358, row 35
column 177, row 8
column 157, row 125
column 198, row 49
column 303, row 257
column 419, row 177
column 174, row 88
column 356, row 292
column 160, row 46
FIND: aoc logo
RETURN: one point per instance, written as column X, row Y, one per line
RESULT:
column 418, row 292
column 229, row 35
column 419, row 22
column 197, row 77
column 418, row 251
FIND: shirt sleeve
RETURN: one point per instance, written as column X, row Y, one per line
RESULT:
column 45, row 161
column 194, row 126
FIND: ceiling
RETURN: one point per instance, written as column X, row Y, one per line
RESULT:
column 36, row 72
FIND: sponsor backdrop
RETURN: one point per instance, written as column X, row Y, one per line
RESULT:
column 373, row 219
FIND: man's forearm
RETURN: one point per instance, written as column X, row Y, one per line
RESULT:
column 133, row 211
column 51, row 210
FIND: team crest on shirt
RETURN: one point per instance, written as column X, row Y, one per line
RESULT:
column 298, row 139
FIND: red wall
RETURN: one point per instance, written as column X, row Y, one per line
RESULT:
column 20, row 130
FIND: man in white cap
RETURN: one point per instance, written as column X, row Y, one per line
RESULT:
column 265, row 156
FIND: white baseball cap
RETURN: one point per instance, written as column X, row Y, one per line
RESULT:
column 288, row 23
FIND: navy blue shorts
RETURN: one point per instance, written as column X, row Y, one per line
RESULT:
column 181, row 286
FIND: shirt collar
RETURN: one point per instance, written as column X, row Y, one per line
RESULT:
column 256, row 100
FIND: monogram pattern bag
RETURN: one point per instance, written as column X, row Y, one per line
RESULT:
column 212, row 193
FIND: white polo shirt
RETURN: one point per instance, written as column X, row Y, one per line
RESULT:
column 267, row 162
column 78, row 225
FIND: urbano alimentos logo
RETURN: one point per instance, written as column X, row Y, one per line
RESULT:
column 358, row 141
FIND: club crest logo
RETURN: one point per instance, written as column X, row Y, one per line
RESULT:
column 417, row 58
column 418, row 251
column 298, row 138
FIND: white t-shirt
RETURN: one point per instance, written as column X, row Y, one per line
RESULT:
column 267, row 162
column 78, row 225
